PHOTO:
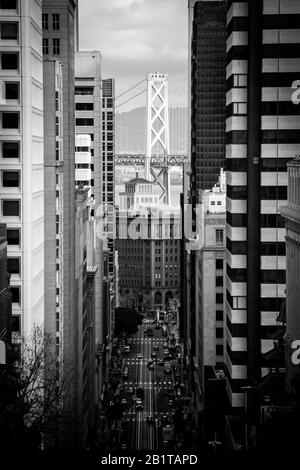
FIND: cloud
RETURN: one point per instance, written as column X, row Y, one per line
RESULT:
column 136, row 37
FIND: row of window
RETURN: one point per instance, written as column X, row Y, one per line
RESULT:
column 55, row 21
column 55, row 46
column 266, row 164
column 266, row 220
column 266, row 192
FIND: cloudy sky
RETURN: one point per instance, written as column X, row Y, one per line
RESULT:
column 136, row 37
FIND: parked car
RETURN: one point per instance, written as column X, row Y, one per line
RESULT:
column 139, row 356
column 139, row 406
column 150, row 419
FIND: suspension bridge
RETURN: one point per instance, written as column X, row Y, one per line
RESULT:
column 155, row 134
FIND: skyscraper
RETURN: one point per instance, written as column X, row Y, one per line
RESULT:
column 262, row 126
column 208, row 89
column 22, row 157
column 5, row 300
column 59, row 23
column 108, row 167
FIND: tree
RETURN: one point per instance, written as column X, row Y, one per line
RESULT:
column 33, row 392
column 127, row 320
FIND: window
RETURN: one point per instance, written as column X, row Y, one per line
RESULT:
column 240, row 108
column 219, row 281
column 13, row 265
column 16, row 323
column 56, row 46
column 55, row 21
column 11, row 91
column 84, row 122
column 10, row 179
column 219, row 298
column 10, row 208
column 219, row 237
column 9, row 30
column 13, row 236
column 219, row 349
column 45, row 46
column 8, row 4
column 84, row 106
column 10, row 120
column 45, row 22
column 10, row 149
column 9, row 60
column 15, row 294
column 219, row 332
column 84, row 90
column 240, row 80
column 219, row 315
column 219, row 264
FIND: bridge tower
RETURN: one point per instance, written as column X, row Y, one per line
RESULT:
column 158, row 131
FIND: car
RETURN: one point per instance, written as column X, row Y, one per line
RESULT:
column 160, row 362
column 150, row 419
column 166, row 352
column 130, row 390
column 153, row 354
column 127, row 349
column 170, row 402
column 139, row 407
column 134, row 398
column 123, row 401
column 156, row 348
column 149, row 362
column 165, row 420
column 151, row 366
column 139, row 356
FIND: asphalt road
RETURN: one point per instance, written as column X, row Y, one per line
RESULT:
column 136, row 433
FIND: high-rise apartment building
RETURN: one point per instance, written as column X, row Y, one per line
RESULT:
column 88, row 119
column 6, row 323
column 208, row 90
column 291, row 213
column 210, row 288
column 59, row 23
column 22, row 157
column 108, row 167
column 263, row 60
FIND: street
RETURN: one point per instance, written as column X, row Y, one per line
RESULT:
column 137, row 433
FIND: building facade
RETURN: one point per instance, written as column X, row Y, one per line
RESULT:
column 22, row 158
column 108, row 167
column 148, row 242
column 88, row 122
column 83, row 162
column 291, row 213
column 6, row 324
column 262, row 127
column 85, row 271
column 208, row 90
column 54, row 203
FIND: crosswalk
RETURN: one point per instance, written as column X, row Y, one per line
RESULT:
column 147, row 384
column 148, row 340
column 156, row 414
